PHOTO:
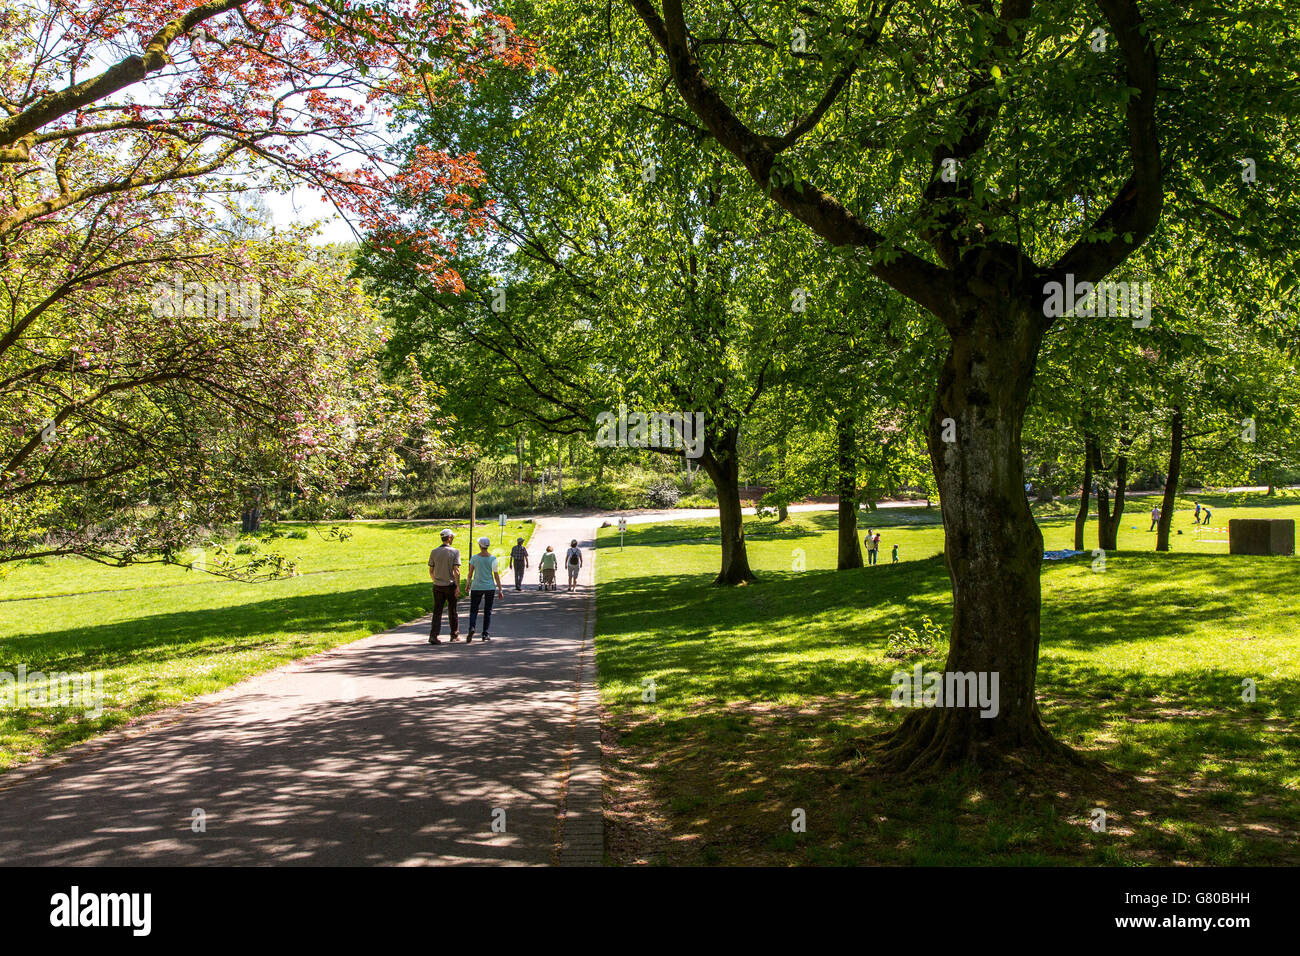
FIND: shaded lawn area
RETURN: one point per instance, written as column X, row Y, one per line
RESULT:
column 762, row 692
column 162, row 635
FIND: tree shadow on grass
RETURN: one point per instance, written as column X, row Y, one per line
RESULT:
column 1186, row 772
column 175, row 635
column 719, row 784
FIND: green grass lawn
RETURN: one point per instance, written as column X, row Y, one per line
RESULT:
column 162, row 634
column 762, row 691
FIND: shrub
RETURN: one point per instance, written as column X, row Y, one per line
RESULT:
column 662, row 493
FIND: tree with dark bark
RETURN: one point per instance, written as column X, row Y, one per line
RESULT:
column 1011, row 204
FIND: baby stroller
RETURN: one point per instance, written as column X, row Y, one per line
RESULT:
column 548, row 579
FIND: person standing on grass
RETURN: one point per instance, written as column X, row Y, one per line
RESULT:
column 1196, row 517
column 573, row 561
column 871, row 546
column 895, row 554
column 519, row 561
column 1206, row 522
column 444, row 572
column 1155, row 519
column 484, row 578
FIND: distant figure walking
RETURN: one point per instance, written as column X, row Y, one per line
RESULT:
column 444, row 572
column 484, row 578
column 547, row 567
column 895, row 561
column 519, row 561
column 1155, row 519
column 573, row 561
column 873, row 542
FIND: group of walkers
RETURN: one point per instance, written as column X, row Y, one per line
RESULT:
column 484, row 584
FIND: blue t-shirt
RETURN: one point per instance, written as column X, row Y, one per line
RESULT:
column 483, row 565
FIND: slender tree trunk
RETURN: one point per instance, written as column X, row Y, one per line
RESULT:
column 1108, row 516
column 519, row 456
column 993, row 549
column 251, row 519
column 782, row 506
column 720, row 462
column 473, row 502
column 850, row 550
column 1081, row 517
column 1171, row 481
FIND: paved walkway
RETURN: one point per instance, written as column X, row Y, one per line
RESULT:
column 383, row 751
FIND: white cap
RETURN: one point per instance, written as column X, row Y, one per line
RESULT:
column 447, row 533
column 485, row 542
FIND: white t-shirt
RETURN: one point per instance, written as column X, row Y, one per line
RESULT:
column 573, row 557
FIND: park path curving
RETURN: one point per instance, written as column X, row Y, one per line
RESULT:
column 385, row 751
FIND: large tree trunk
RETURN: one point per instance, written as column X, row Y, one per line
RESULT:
column 1171, row 481
column 1081, row 517
column 993, row 550
column 850, row 551
column 720, row 461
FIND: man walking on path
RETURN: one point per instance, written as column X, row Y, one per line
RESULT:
column 483, row 574
column 519, row 561
column 444, row 571
column 573, row 561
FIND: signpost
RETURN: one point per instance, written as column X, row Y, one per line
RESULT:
column 501, row 520
column 622, row 526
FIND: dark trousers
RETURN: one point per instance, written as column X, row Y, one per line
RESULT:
column 871, row 555
column 519, row 577
column 444, row 594
column 486, row 597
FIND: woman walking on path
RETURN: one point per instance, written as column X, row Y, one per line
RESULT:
column 573, row 561
column 484, row 578
column 547, row 567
